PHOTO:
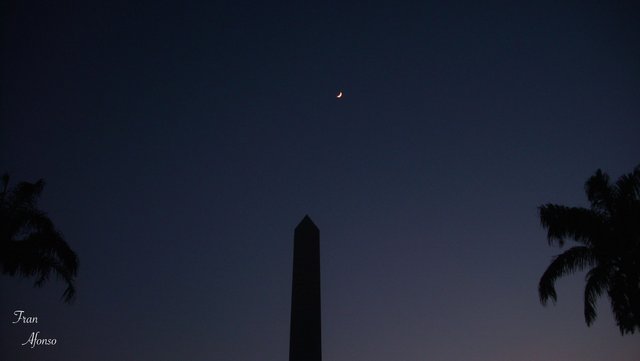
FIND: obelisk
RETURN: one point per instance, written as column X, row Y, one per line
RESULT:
column 305, row 341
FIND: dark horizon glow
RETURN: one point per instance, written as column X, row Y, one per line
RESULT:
column 182, row 143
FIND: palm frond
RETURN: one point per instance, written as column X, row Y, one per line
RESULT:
column 29, row 258
column 52, row 244
column 599, row 191
column 26, row 194
column 610, row 233
column 581, row 224
column 627, row 187
column 597, row 283
column 624, row 292
column 574, row 259
column 30, row 245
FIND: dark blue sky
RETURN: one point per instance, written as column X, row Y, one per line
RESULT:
column 182, row 143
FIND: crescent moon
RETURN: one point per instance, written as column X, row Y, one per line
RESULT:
column 339, row 95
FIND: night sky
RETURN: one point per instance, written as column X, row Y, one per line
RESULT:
column 181, row 143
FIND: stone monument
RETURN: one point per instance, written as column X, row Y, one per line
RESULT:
column 305, row 338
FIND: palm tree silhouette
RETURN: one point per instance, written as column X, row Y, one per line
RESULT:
column 29, row 243
column 608, row 234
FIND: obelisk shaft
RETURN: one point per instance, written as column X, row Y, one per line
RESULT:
column 305, row 339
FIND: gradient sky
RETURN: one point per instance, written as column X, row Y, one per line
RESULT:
column 181, row 144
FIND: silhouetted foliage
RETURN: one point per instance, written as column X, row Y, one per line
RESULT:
column 29, row 243
column 608, row 234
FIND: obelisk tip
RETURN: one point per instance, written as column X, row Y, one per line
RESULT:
column 306, row 223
